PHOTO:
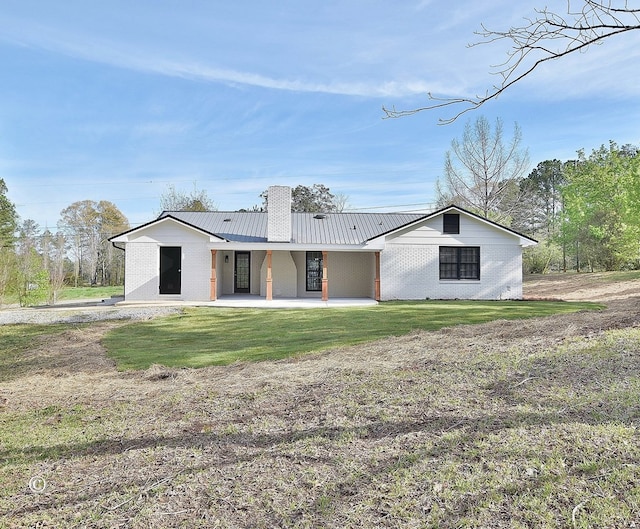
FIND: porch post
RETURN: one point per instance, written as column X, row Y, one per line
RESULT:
column 377, row 280
column 214, row 279
column 325, row 277
column 269, row 278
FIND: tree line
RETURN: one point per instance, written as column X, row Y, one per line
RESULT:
column 36, row 264
column 585, row 212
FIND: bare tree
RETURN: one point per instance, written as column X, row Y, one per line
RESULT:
column 482, row 172
column 341, row 201
column 111, row 221
column 176, row 200
column 86, row 226
column 545, row 37
column 53, row 249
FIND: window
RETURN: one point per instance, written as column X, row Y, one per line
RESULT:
column 450, row 223
column 314, row 271
column 459, row 262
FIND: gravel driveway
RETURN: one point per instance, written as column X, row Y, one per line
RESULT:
column 82, row 311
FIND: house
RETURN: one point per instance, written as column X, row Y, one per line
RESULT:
column 202, row 256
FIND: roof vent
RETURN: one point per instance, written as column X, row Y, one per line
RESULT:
column 320, row 216
column 226, row 220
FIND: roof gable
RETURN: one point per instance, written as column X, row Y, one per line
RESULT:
column 127, row 235
column 524, row 240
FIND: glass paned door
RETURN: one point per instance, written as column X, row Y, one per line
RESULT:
column 314, row 271
column 242, row 274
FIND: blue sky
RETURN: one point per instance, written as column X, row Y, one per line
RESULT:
column 118, row 100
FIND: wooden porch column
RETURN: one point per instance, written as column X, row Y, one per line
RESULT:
column 214, row 279
column 325, row 277
column 377, row 280
column 269, row 277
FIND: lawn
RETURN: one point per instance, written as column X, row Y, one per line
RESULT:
column 219, row 336
column 520, row 424
column 71, row 293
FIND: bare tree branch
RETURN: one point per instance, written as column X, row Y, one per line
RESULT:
column 548, row 36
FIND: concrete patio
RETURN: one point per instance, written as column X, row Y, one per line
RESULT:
column 251, row 301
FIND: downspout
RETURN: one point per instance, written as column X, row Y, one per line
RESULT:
column 377, row 280
column 125, row 260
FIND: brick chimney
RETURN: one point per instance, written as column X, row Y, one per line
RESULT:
column 279, row 214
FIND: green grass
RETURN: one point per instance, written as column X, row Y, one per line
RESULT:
column 458, row 437
column 71, row 293
column 15, row 340
column 219, row 336
column 627, row 275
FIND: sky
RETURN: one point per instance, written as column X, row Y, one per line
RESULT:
column 119, row 100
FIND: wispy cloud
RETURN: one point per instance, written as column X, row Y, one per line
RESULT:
column 115, row 54
column 362, row 88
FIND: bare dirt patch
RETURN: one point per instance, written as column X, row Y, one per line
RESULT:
column 579, row 287
column 376, row 435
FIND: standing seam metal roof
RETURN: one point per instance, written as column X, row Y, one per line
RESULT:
column 306, row 228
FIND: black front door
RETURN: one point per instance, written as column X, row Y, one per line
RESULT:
column 241, row 275
column 170, row 269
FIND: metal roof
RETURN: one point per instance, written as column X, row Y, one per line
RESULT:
column 306, row 228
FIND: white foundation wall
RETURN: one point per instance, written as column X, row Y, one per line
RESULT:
column 413, row 272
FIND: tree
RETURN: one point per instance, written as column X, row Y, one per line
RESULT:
column 77, row 222
column 8, row 226
column 482, row 173
column 7, row 270
column 197, row 200
column 87, row 225
column 315, row 199
column 111, row 221
column 540, row 216
column 601, row 216
column 31, row 277
column 545, row 37
column 540, row 211
column 8, row 217
column 53, row 249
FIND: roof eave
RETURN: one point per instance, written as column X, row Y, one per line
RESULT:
column 125, row 236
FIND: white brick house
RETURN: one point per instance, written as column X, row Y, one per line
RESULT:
column 202, row 256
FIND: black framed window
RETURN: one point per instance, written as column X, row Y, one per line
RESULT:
column 451, row 223
column 314, row 271
column 459, row 262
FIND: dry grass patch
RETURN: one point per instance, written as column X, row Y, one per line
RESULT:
column 533, row 423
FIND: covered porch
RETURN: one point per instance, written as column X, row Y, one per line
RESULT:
column 302, row 277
